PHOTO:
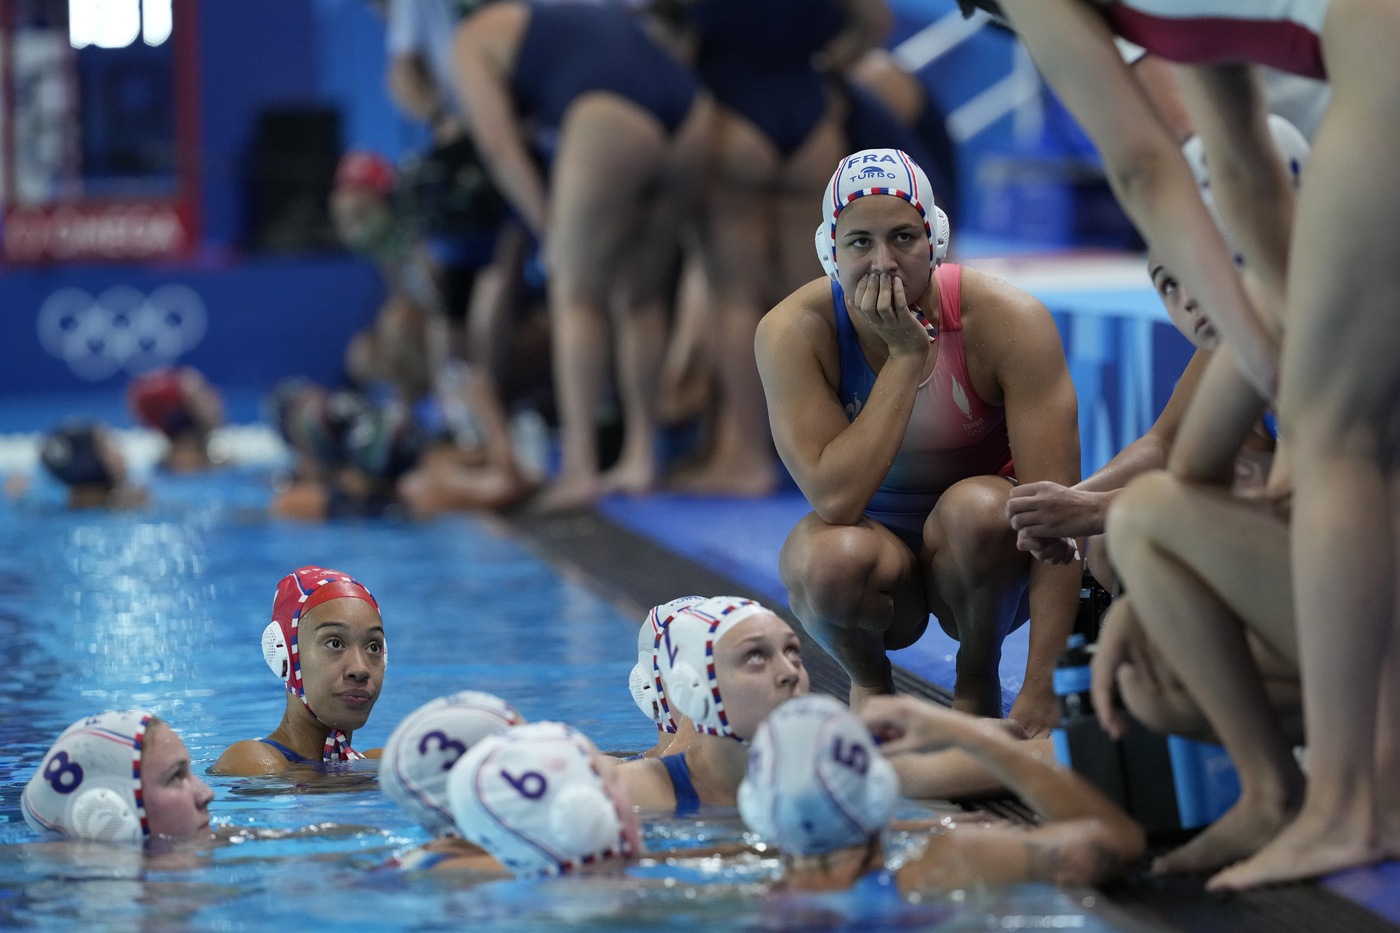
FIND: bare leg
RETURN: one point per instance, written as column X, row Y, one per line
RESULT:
column 738, row 242
column 1339, row 383
column 609, row 156
column 1161, row 531
column 687, row 373
column 853, row 588
column 974, row 584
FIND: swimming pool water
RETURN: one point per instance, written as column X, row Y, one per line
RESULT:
column 164, row 608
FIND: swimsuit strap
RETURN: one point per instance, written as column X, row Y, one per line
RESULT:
column 687, row 800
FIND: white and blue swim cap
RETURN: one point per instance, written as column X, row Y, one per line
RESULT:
column 880, row 171
column 815, row 780
column 685, row 659
column 422, row 749
column 89, row 784
column 1293, row 149
column 645, row 682
column 532, row 797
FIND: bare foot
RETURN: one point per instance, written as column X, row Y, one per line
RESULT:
column 1238, row 833
column 566, row 494
column 1309, row 846
column 750, row 478
column 629, row 479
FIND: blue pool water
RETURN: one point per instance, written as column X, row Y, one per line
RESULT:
column 163, row 609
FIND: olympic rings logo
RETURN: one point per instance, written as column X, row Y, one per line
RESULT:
column 121, row 328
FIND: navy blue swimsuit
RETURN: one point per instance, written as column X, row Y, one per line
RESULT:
column 287, row 753
column 687, row 800
column 571, row 49
column 757, row 60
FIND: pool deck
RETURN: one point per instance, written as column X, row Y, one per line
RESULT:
column 639, row 552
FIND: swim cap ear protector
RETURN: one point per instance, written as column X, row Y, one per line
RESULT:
column 686, row 659
column 88, row 785
column 532, row 798
column 423, row 748
column 297, row 594
column 1293, row 150
column 940, row 244
column 815, row 781
column 645, row 681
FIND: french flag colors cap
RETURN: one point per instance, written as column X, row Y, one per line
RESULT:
column 88, row 785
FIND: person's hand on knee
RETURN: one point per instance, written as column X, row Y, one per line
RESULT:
column 1122, row 644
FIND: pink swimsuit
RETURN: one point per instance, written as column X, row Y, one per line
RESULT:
column 952, row 433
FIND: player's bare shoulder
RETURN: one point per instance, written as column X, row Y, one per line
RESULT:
column 988, row 296
column 804, row 318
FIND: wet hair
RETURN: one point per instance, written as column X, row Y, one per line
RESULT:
column 70, row 453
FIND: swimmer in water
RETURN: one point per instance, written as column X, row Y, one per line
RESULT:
column 326, row 644
column 819, row 788
column 124, row 777
column 86, row 458
column 119, row 776
column 414, row 767
column 534, row 797
column 182, row 405
column 719, row 667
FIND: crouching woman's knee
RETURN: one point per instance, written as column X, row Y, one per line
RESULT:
column 830, row 570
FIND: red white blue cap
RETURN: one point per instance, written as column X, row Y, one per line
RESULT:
column 685, row 659
column 647, row 689
column 89, row 784
column 297, row 594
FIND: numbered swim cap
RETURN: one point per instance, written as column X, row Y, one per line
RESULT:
column 880, row 171
column 1292, row 148
column 532, row 797
column 423, row 748
column 645, row 682
column 89, row 784
column 297, row 594
column 815, row 781
column 686, row 659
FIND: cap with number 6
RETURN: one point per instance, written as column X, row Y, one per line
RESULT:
column 532, row 797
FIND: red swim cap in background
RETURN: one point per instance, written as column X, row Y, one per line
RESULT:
column 364, row 168
column 157, row 400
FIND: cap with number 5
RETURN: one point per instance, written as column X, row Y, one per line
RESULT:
column 815, row 781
